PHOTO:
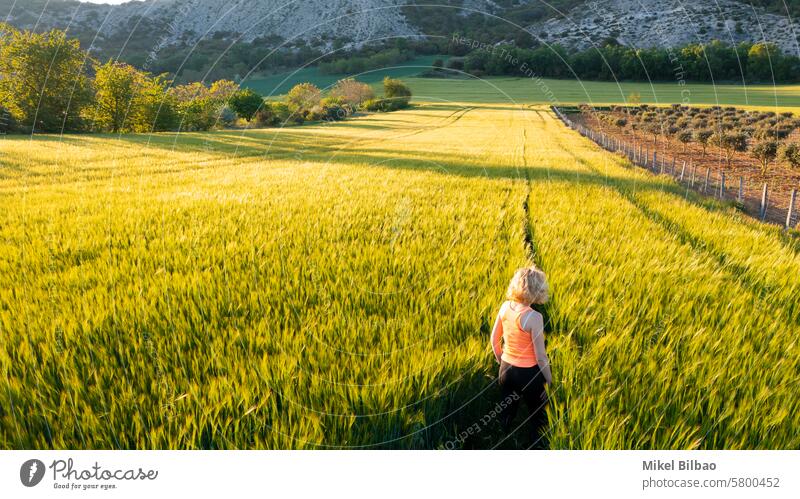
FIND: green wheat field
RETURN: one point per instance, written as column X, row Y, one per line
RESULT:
column 333, row 286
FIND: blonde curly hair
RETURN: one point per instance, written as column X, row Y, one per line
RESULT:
column 528, row 286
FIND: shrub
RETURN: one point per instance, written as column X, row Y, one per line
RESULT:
column 303, row 97
column 397, row 92
column 329, row 109
column 455, row 63
column 378, row 105
column 273, row 114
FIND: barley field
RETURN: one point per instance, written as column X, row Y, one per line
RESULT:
column 333, row 286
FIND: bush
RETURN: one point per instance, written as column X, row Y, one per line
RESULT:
column 273, row 114
column 303, row 98
column 397, row 92
column 335, row 108
column 455, row 63
column 378, row 105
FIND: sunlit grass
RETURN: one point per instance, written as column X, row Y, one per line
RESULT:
column 333, row 286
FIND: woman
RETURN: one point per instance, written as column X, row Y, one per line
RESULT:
column 524, row 367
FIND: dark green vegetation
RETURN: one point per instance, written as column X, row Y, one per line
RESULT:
column 715, row 61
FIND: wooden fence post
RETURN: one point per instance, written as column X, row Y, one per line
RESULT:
column 764, row 201
column 708, row 176
column 694, row 173
column 741, row 190
column 683, row 170
column 790, row 213
column 722, row 185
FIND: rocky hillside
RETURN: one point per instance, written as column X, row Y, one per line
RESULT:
column 171, row 21
column 667, row 23
column 323, row 23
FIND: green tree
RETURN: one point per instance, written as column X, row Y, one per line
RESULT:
column 118, row 91
column 765, row 151
column 703, row 137
column 729, row 143
column 43, row 82
column 246, row 103
column 791, row 154
column 158, row 108
column 762, row 60
column 685, row 137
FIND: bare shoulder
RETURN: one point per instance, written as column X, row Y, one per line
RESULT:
column 533, row 321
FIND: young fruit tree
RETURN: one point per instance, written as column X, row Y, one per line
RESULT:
column 685, row 136
column 791, row 154
column 765, row 151
column 702, row 137
column 729, row 143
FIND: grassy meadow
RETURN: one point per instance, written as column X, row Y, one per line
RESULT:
column 333, row 286
column 498, row 90
column 550, row 91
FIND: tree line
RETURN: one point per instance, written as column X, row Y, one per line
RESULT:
column 49, row 84
column 712, row 62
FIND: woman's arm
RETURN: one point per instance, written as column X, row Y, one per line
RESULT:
column 497, row 336
column 534, row 324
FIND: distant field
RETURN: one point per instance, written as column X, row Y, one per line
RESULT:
column 278, row 84
column 545, row 91
column 525, row 90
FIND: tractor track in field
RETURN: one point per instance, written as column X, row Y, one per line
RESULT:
column 529, row 242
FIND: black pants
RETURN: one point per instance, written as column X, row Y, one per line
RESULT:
column 523, row 384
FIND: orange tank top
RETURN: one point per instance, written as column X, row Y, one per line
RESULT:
column 518, row 349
